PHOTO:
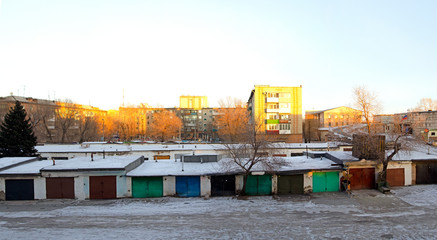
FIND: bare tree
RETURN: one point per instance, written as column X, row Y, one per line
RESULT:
column 426, row 104
column 66, row 114
column 42, row 116
column 165, row 125
column 367, row 102
column 87, row 125
column 232, row 119
column 246, row 144
column 369, row 144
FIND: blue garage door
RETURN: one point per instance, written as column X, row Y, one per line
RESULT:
column 188, row 186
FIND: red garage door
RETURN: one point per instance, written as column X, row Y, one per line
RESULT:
column 60, row 187
column 362, row 178
column 396, row 177
column 103, row 187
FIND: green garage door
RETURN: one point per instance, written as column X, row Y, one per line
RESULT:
column 259, row 185
column 325, row 182
column 146, row 187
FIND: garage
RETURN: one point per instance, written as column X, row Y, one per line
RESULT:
column 147, row 187
column 103, row 187
column 188, row 186
column 223, row 185
column 326, row 182
column 396, row 177
column 426, row 173
column 19, row 189
column 362, row 178
column 60, row 187
column 290, row 184
column 259, row 185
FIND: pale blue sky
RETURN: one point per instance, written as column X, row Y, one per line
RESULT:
column 89, row 51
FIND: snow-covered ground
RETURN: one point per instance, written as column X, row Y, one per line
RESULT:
column 407, row 213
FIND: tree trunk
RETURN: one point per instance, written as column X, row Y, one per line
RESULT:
column 243, row 189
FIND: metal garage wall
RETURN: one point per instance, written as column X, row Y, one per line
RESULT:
column 60, row 187
column 19, row 189
column 290, row 184
column 103, row 187
column 146, row 187
column 188, row 186
column 259, row 185
column 326, row 182
column 223, row 185
column 396, row 177
column 362, row 178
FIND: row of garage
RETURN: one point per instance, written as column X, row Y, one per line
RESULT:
column 131, row 176
column 105, row 187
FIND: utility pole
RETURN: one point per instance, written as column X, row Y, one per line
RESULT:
column 103, row 120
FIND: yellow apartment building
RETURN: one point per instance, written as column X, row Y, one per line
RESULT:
column 193, row 102
column 280, row 111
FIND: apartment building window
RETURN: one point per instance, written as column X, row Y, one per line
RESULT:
column 285, row 117
column 273, row 95
column 272, row 127
column 273, row 106
column 272, row 116
column 284, row 127
column 284, row 105
column 285, row 95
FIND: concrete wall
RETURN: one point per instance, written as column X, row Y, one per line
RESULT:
column 2, row 189
column 238, row 183
column 274, row 184
column 205, row 186
column 169, row 186
column 308, row 182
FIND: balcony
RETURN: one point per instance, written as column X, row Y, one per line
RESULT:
column 272, row 121
column 272, row 132
column 272, row 100
column 268, row 110
column 284, row 131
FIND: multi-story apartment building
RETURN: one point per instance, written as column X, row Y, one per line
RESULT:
column 317, row 123
column 193, row 102
column 279, row 110
column 198, row 124
column 56, row 121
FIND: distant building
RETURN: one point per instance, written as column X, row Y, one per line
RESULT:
column 45, row 116
column 280, row 110
column 317, row 123
column 194, row 102
column 422, row 124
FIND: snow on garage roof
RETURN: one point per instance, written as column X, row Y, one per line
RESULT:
column 98, row 163
column 7, row 162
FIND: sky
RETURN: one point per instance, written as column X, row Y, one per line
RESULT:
column 107, row 53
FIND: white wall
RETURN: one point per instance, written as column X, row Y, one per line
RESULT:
column 308, row 182
column 205, row 186
column 169, row 186
column 274, row 184
column 2, row 189
column 39, row 184
column 238, row 183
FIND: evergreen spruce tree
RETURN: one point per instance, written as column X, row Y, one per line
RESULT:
column 16, row 134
